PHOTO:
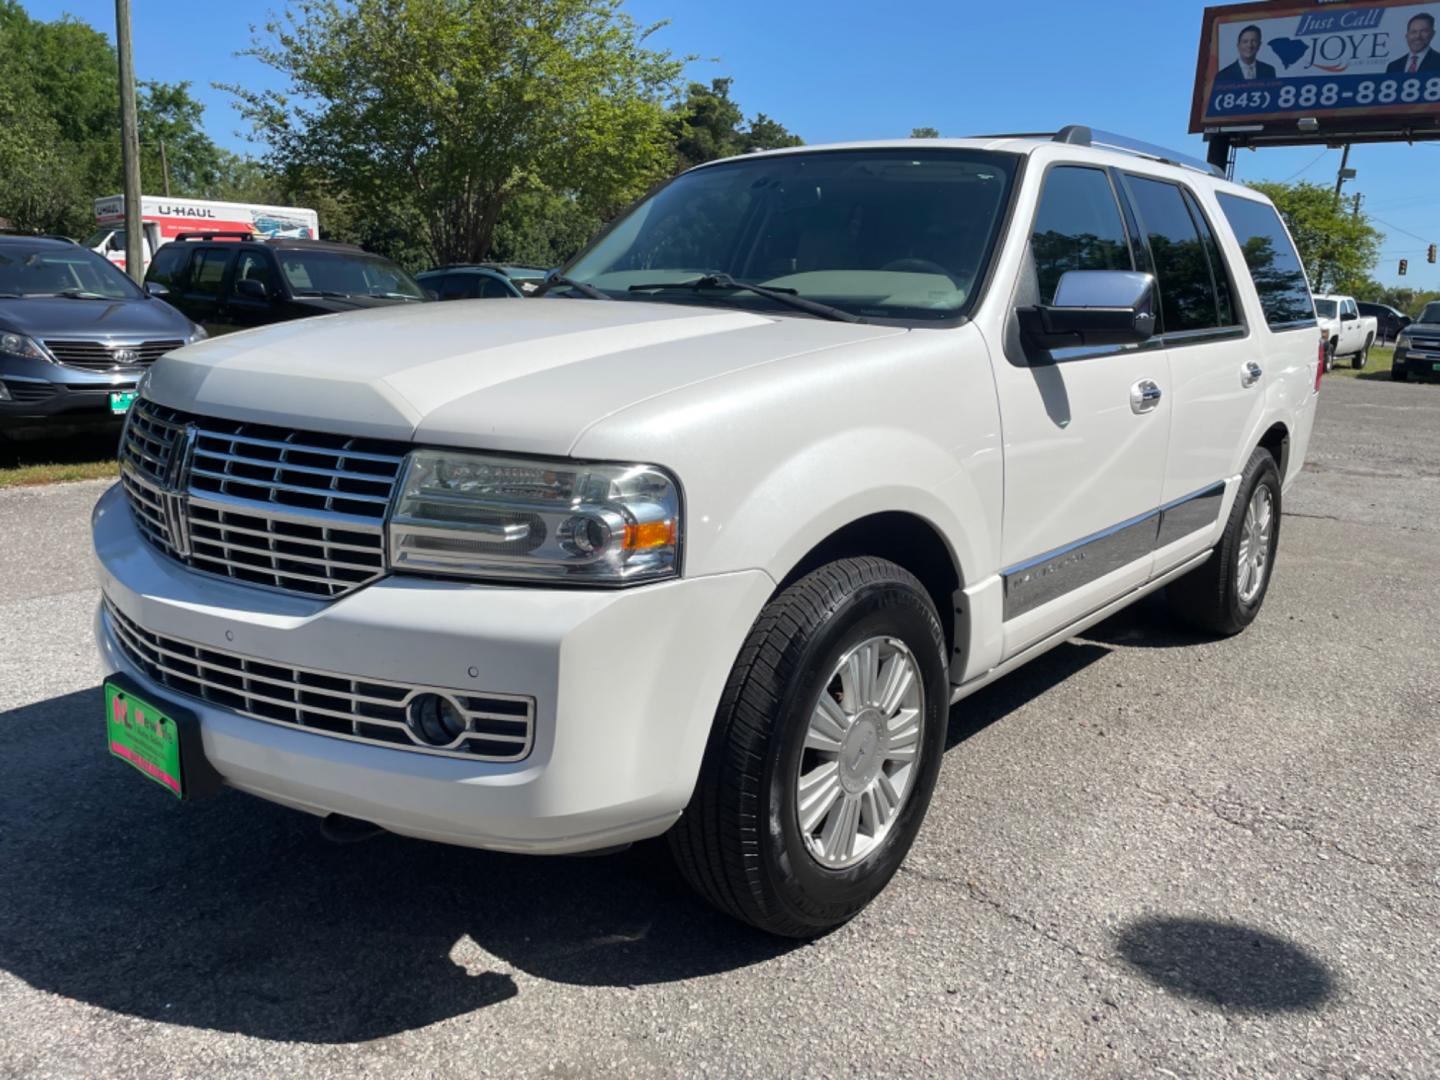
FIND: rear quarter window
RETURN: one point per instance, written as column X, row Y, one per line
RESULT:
column 1273, row 264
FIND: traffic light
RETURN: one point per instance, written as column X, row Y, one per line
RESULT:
column 1430, row 255
column 1403, row 264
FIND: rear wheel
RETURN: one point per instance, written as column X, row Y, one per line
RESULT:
column 824, row 754
column 1361, row 358
column 1223, row 594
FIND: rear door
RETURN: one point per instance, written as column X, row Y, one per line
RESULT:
column 1084, row 448
column 1218, row 397
column 210, row 266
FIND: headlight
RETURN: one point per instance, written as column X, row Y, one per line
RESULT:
column 20, row 345
column 480, row 516
column 199, row 333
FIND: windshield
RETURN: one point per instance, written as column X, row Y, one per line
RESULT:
column 1431, row 314
column 50, row 270
column 892, row 234
column 347, row 274
column 1325, row 309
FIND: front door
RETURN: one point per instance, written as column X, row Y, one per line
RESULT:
column 1084, row 441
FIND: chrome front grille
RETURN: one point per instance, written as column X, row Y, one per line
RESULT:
column 1425, row 344
column 302, row 512
column 110, row 355
column 499, row 727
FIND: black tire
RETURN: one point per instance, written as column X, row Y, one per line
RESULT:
column 1208, row 597
column 739, row 841
column 1399, row 374
column 1361, row 358
column 1329, row 355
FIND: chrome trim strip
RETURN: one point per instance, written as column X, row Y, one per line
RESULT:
column 1196, row 511
column 1047, row 577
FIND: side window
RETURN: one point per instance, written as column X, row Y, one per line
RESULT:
column 1271, row 259
column 1350, row 307
column 256, row 267
column 1187, row 292
column 210, row 264
column 165, row 267
column 1225, row 306
column 1077, row 227
column 455, row 287
column 491, row 289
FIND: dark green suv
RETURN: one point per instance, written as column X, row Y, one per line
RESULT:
column 1418, row 350
column 232, row 281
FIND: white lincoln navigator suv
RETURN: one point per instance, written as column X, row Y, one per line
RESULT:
column 707, row 541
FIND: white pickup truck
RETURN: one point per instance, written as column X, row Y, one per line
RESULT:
column 805, row 449
column 1347, row 332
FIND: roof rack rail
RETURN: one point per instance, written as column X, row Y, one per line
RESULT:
column 233, row 235
column 1080, row 135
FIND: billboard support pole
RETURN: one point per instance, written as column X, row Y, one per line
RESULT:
column 1218, row 150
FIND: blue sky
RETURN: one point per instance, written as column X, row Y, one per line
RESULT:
column 847, row 70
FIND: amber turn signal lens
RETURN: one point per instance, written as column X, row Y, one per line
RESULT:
column 650, row 534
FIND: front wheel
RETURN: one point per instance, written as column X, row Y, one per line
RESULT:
column 1329, row 355
column 1223, row 594
column 1399, row 374
column 824, row 754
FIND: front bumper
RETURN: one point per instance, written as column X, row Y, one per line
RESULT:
column 1419, row 362
column 625, row 684
column 37, row 402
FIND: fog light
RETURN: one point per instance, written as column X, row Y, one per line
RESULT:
column 4, row 392
column 434, row 720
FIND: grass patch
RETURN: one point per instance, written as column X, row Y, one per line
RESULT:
column 1377, row 367
column 89, row 456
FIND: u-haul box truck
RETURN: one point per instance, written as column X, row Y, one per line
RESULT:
column 162, row 219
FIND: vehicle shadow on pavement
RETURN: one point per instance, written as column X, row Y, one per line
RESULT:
column 234, row 914
column 1147, row 624
column 975, row 713
column 1234, row 966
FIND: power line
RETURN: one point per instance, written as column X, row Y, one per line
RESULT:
column 1413, row 236
column 1307, row 168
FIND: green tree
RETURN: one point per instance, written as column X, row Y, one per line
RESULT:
column 59, row 126
column 707, row 124
column 925, row 133
column 452, row 109
column 1335, row 245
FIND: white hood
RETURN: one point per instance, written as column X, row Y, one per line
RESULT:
column 521, row 375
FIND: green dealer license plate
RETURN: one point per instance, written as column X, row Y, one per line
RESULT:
column 144, row 736
column 121, row 400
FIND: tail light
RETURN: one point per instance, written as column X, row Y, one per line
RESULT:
column 1320, row 363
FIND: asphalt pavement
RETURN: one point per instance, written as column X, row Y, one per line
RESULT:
column 1149, row 854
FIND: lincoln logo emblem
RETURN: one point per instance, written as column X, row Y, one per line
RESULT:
column 177, row 482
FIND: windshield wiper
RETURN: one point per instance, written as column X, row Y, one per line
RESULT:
column 328, row 292
column 787, row 297
column 82, row 294
column 581, row 287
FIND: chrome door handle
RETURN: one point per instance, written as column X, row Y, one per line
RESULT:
column 1144, row 396
column 1250, row 373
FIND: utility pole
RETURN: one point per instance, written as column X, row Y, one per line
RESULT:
column 165, row 168
column 129, row 144
column 1353, row 213
column 1342, row 174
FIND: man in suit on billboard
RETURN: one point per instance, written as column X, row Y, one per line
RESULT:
column 1247, row 68
column 1419, row 32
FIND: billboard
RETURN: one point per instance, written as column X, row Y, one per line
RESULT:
column 1349, row 65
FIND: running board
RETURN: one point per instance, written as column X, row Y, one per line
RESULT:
column 1064, row 634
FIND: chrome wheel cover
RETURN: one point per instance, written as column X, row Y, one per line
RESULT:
column 1252, row 560
column 861, row 753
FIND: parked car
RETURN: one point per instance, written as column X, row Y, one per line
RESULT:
column 1388, row 320
column 1417, row 352
column 483, row 281
column 234, row 281
column 811, row 445
column 75, row 336
column 1347, row 332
